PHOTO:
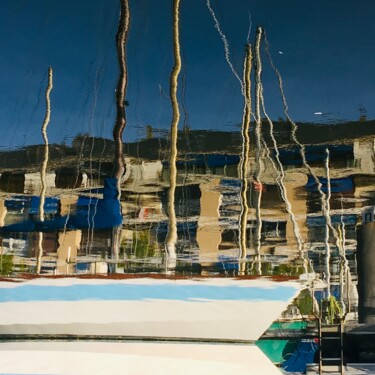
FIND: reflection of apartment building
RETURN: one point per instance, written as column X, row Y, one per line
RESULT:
column 207, row 207
column 27, row 183
column 142, row 176
column 209, row 229
column 69, row 244
column 3, row 212
column 364, row 155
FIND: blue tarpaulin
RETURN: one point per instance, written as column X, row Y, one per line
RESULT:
column 320, row 221
column 51, row 205
column 315, row 153
column 303, row 355
column 209, row 160
column 97, row 213
column 338, row 185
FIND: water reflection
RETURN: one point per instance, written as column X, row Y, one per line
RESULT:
column 262, row 197
column 207, row 200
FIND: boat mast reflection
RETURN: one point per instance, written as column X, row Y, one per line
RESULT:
column 171, row 239
column 120, row 121
column 258, row 152
column 42, row 197
column 244, row 162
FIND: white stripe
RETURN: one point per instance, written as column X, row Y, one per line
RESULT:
column 233, row 320
column 132, row 359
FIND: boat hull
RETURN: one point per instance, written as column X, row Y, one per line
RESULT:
column 214, row 309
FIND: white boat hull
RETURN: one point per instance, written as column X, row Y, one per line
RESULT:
column 215, row 309
column 205, row 318
column 87, row 358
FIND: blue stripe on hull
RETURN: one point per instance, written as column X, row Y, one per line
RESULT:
column 134, row 292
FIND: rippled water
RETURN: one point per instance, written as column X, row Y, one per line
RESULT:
column 79, row 219
column 210, row 146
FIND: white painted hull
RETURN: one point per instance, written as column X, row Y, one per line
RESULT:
column 217, row 309
column 147, row 309
column 87, row 358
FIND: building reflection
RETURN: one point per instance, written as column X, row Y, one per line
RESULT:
column 209, row 231
column 207, row 208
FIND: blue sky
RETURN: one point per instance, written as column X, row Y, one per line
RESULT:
column 327, row 61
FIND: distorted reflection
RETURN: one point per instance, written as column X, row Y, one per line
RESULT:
column 207, row 201
column 216, row 179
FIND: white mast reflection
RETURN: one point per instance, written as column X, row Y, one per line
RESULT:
column 226, row 46
column 257, row 174
column 323, row 197
column 244, row 163
column 280, row 179
column 344, row 267
column 42, row 197
column 170, row 242
column 326, row 238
